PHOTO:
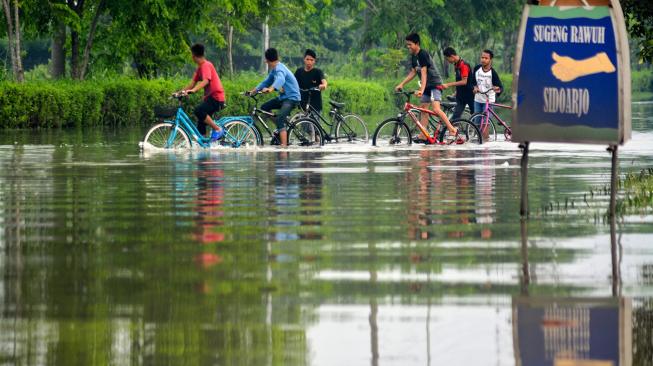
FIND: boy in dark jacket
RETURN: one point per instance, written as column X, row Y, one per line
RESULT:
column 485, row 81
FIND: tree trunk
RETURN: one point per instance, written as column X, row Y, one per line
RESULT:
column 74, row 54
column 20, row 76
column 509, row 40
column 367, row 69
column 230, row 44
column 13, row 38
column 89, row 40
column 58, row 57
column 10, row 35
column 266, row 45
column 77, row 7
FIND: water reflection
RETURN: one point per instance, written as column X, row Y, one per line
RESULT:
column 353, row 257
column 573, row 331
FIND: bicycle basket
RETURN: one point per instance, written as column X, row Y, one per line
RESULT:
column 163, row 112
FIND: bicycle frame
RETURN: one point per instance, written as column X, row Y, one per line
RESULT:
column 184, row 122
column 255, row 116
column 408, row 110
column 311, row 111
column 487, row 111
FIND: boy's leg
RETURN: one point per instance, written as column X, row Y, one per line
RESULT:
column 478, row 108
column 215, row 107
column 436, row 97
column 202, row 114
column 460, row 108
column 424, row 120
column 282, row 116
column 425, row 103
column 271, row 105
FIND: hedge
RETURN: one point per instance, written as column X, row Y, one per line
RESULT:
column 118, row 102
column 127, row 101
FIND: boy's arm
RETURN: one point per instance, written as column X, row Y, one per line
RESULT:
column 474, row 83
column 279, row 80
column 265, row 83
column 190, row 85
column 197, row 86
column 496, row 81
column 411, row 76
column 323, row 82
column 473, row 77
column 464, row 75
column 423, row 82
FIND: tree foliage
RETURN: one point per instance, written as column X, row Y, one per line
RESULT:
column 152, row 38
column 639, row 19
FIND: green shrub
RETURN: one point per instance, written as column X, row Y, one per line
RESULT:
column 642, row 81
column 365, row 98
column 116, row 102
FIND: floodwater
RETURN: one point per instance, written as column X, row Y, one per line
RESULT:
column 345, row 255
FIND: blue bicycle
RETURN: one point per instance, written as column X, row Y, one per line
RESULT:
column 180, row 132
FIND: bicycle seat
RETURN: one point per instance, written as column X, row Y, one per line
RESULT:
column 336, row 104
column 448, row 104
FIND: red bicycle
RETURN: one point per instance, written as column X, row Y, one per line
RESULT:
column 395, row 132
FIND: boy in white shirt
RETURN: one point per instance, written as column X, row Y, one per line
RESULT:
column 486, row 82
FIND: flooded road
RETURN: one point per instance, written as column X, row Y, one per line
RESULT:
column 345, row 255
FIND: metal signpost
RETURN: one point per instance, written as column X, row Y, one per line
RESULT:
column 572, row 79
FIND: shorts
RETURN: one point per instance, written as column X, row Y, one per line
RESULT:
column 431, row 95
column 207, row 108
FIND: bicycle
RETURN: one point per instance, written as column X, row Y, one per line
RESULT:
column 394, row 131
column 342, row 127
column 301, row 132
column 448, row 108
column 487, row 123
column 449, row 105
column 180, row 132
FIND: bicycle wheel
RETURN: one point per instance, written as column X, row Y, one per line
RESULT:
column 351, row 128
column 240, row 134
column 392, row 132
column 297, row 116
column 486, row 126
column 305, row 132
column 467, row 133
column 161, row 137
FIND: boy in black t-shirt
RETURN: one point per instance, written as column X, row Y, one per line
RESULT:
column 430, row 91
column 311, row 77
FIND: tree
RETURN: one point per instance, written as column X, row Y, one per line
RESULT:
column 12, row 17
column 639, row 19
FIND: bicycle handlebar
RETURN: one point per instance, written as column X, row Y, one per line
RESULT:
column 180, row 94
column 486, row 92
column 316, row 89
column 405, row 93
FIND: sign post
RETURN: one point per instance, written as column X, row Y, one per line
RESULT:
column 572, row 79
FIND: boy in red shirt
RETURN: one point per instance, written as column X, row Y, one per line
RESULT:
column 206, row 77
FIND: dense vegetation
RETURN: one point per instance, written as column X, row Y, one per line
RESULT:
column 118, row 45
column 86, row 38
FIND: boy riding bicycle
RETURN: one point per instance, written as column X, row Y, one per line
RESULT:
column 214, row 97
column 430, row 82
column 283, row 81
